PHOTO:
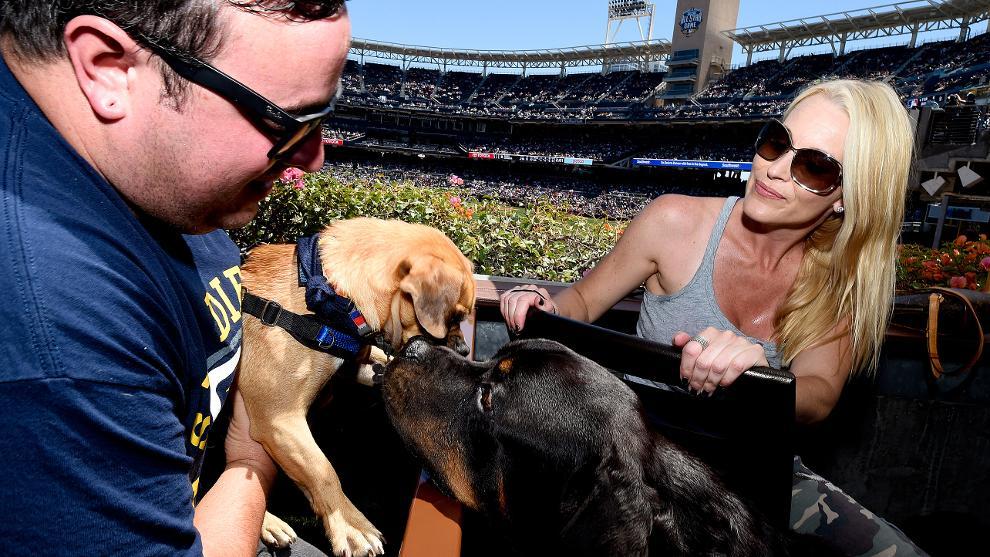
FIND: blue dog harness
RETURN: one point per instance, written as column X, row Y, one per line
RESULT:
column 336, row 326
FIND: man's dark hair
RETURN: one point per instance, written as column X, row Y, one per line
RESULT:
column 33, row 28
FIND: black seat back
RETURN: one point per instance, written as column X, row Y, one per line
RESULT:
column 745, row 432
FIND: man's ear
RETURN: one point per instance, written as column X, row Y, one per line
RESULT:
column 103, row 58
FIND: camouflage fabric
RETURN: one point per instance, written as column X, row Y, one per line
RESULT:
column 821, row 509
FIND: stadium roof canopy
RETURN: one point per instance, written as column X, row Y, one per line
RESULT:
column 642, row 52
column 901, row 18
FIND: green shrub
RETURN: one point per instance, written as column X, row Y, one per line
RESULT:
column 543, row 241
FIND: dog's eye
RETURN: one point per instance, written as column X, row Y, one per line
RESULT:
column 485, row 397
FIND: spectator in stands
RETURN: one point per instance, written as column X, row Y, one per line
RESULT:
column 121, row 327
column 798, row 273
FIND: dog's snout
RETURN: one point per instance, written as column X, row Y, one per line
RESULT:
column 416, row 348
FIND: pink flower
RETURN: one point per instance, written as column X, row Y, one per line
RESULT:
column 291, row 175
column 957, row 282
column 455, row 201
column 299, row 184
column 985, row 263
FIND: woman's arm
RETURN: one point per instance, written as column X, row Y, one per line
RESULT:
column 820, row 371
column 624, row 268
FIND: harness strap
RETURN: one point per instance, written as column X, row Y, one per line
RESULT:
column 321, row 298
column 307, row 329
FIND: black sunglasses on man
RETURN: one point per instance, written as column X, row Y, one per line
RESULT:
column 287, row 129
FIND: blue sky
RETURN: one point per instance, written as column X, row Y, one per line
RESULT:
column 537, row 24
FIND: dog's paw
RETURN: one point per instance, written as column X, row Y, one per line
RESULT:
column 353, row 535
column 377, row 356
column 366, row 375
column 275, row 532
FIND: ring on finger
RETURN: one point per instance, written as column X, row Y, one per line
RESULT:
column 700, row 340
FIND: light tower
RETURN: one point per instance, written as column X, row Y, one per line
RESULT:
column 621, row 10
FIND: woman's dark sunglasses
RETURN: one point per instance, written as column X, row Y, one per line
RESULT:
column 288, row 130
column 811, row 169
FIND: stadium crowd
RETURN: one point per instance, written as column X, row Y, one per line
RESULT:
column 579, row 147
column 577, row 194
column 758, row 90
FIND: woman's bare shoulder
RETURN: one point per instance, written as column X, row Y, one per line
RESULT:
column 681, row 214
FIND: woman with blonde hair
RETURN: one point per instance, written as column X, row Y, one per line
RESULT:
column 798, row 273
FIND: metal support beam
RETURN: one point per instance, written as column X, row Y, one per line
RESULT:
column 963, row 30
column 909, row 17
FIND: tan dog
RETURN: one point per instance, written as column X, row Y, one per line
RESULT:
column 407, row 280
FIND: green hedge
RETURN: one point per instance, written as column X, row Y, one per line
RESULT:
column 543, row 241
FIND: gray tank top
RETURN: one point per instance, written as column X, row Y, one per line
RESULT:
column 694, row 307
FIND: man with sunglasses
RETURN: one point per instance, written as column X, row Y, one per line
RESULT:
column 131, row 134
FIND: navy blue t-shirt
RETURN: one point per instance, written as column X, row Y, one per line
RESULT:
column 120, row 340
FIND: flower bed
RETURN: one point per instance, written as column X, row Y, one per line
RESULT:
column 962, row 263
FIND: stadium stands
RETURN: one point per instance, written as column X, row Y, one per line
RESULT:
column 602, row 145
column 927, row 72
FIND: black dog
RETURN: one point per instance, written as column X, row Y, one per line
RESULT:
column 555, row 449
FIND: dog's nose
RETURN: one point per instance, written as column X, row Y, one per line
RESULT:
column 416, row 348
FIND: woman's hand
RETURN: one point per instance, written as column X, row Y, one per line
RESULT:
column 515, row 304
column 714, row 358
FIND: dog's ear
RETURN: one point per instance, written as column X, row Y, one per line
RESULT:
column 434, row 291
column 610, row 491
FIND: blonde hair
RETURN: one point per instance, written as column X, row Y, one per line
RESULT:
column 847, row 275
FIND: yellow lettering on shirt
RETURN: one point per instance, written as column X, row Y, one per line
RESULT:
column 219, row 315
column 225, row 313
column 233, row 274
column 235, row 315
column 198, row 435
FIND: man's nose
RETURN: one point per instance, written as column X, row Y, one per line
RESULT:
column 309, row 156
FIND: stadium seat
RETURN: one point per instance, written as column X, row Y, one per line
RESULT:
column 745, row 431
